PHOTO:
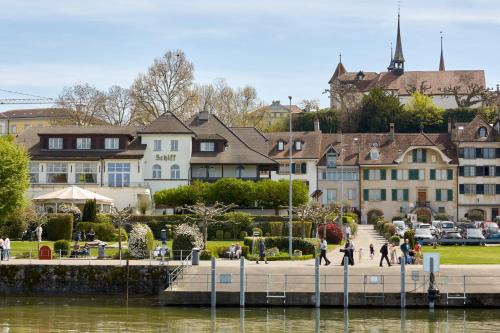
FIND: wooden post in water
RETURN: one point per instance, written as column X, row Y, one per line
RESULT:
column 126, row 283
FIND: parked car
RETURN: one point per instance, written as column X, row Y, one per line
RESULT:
column 463, row 226
column 474, row 233
column 451, row 236
column 446, row 226
column 489, row 228
column 400, row 228
column 423, row 233
column 493, row 236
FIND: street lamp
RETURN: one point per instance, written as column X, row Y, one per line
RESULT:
column 290, row 183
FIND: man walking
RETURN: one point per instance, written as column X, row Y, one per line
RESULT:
column 324, row 246
column 348, row 231
column 384, row 251
column 2, row 248
column 405, row 248
column 6, row 244
column 262, row 251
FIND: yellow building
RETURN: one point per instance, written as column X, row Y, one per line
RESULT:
column 19, row 120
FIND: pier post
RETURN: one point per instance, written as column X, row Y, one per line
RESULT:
column 316, row 283
column 403, row 283
column 242, row 281
column 213, row 300
column 346, row 282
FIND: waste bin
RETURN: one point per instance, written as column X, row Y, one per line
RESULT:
column 100, row 254
column 195, row 258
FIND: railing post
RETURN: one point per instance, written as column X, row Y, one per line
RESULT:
column 242, row 282
column 316, row 283
column 346, row 282
column 403, row 284
column 213, row 299
column 59, row 257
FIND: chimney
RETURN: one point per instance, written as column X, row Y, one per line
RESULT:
column 316, row 125
column 203, row 116
column 391, row 129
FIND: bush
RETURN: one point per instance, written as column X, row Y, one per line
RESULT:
column 398, row 218
column 63, row 246
column 276, row 229
column 67, row 209
column 103, row 231
column 379, row 225
column 186, row 237
column 219, row 235
column 90, row 211
column 205, row 255
column 59, row 226
column 423, row 218
column 297, row 229
column 238, row 222
column 141, row 241
column 104, row 218
column 307, row 245
column 334, row 234
column 243, row 235
column 395, row 240
column 389, row 229
column 442, row 217
column 232, row 190
column 228, row 235
column 259, row 230
column 410, row 235
column 116, row 235
column 13, row 226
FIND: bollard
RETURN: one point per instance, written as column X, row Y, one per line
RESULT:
column 403, row 284
column 316, row 283
column 213, row 299
column 242, row 282
column 317, row 320
column 432, row 292
column 346, row 282
column 242, row 320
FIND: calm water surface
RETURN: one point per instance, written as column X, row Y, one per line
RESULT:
column 21, row 314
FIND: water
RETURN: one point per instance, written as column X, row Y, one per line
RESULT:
column 30, row 314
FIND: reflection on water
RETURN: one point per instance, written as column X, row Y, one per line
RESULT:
column 18, row 314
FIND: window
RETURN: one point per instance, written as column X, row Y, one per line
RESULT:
column 86, row 173
column 469, row 171
column 299, row 168
column 175, row 172
column 284, row 169
column 489, row 189
column 331, row 160
column 34, row 172
column 207, row 146
column 469, row 189
column 374, row 195
column 441, row 174
column 489, row 153
column 156, row 171
column 83, row 143
column 281, row 145
column 374, row 174
column 482, row 132
column 298, row 145
column 57, row 173
column 402, row 174
column 111, row 143
column 331, row 195
column 374, row 154
column 433, row 158
column 489, row 171
column 469, row 152
column 444, row 195
column 55, row 143
column 239, row 171
column 400, row 195
column 418, row 155
column 351, row 194
column 156, row 145
column 174, row 145
column 13, row 129
column 119, row 174
column 416, row 174
column 337, row 175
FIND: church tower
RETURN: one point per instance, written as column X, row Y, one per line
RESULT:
column 441, row 59
column 397, row 65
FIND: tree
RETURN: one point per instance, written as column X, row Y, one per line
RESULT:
column 420, row 112
column 274, row 194
column 378, row 109
column 208, row 214
column 329, row 121
column 89, row 213
column 118, row 107
column 120, row 218
column 232, row 190
column 348, row 98
column 85, row 105
column 310, row 105
column 167, row 86
column 467, row 93
column 14, row 179
column 315, row 213
column 183, row 195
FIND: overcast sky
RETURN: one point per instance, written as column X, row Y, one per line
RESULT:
column 281, row 47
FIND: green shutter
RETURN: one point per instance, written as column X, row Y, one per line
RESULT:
column 366, row 174
column 293, row 167
column 394, row 174
column 438, row 195
column 433, row 174
column 450, row 174
column 394, row 195
column 414, row 155
column 450, row 195
column 303, row 168
column 382, row 195
column 383, row 174
column 424, row 157
column 405, row 195
column 365, row 195
column 413, row 174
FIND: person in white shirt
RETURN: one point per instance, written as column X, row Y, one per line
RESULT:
column 348, row 231
column 6, row 245
column 324, row 246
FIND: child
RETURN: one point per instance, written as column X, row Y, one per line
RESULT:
column 372, row 251
column 360, row 253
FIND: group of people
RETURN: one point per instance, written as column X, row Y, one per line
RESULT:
column 4, row 248
column 85, row 236
column 411, row 256
column 234, row 251
column 78, row 250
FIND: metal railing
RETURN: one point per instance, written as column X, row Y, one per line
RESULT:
column 178, row 271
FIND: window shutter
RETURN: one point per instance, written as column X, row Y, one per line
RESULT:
column 497, row 190
column 413, row 174
column 365, row 195
column 497, row 152
column 424, row 157
column 461, row 171
column 303, row 168
column 461, row 188
column 480, row 189
column 293, row 167
column 460, row 152
column 366, row 174
column 497, row 171
column 433, row 174
column 383, row 174
column 479, row 171
column 382, row 195
column 479, row 153
column 394, row 174
column 450, row 195
column 414, row 155
column 394, row 195
column 405, row 195
column 438, row 195
column 450, row 174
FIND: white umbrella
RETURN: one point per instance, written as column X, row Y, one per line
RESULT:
column 73, row 194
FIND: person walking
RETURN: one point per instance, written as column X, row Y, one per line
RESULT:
column 384, row 251
column 2, row 248
column 7, row 248
column 360, row 254
column 262, row 251
column 405, row 248
column 323, row 248
column 372, row 251
column 346, row 253
column 348, row 231
column 351, row 252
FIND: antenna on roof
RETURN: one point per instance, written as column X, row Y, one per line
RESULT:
column 340, row 57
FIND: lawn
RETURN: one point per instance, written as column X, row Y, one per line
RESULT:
column 467, row 255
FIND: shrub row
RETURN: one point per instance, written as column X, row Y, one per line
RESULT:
column 103, row 231
column 59, row 226
column 307, row 246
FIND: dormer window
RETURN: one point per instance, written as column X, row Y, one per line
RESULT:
column 55, row 143
column 331, row 160
column 281, row 145
column 374, row 154
column 111, row 143
column 83, row 143
column 482, row 132
column 298, row 145
column 360, row 76
column 207, row 146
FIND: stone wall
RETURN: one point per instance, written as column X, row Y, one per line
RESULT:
column 82, row 279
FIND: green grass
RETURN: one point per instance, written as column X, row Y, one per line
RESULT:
column 466, row 255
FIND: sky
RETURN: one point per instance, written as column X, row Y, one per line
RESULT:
column 281, row 47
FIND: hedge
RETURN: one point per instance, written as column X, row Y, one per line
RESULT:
column 276, row 229
column 283, row 257
column 59, row 226
column 62, row 246
column 103, row 231
column 307, row 246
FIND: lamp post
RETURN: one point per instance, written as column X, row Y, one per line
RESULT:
column 341, row 180
column 290, row 183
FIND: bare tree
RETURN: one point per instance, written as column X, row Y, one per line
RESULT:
column 246, row 102
column 348, row 99
column 167, row 86
column 120, row 218
column 468, row 93
column 309, row 105
column 85, row 104
column 423, row 88
column 118, row 107
column 315, row 213
column 208, row 214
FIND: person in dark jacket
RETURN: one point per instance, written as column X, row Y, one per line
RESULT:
column 384, row 251
column 347, row 253
column 262, row 251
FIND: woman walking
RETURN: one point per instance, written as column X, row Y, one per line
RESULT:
column 262, row 251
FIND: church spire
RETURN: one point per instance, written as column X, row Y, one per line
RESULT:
column 391, row 63
column 441, row 60
column 340, row 70
column 399, row 60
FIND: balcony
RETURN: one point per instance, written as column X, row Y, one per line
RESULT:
column 214, row 179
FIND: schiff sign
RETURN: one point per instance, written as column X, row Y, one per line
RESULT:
column 170, row 157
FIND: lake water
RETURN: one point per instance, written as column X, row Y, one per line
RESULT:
column 30, row 314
